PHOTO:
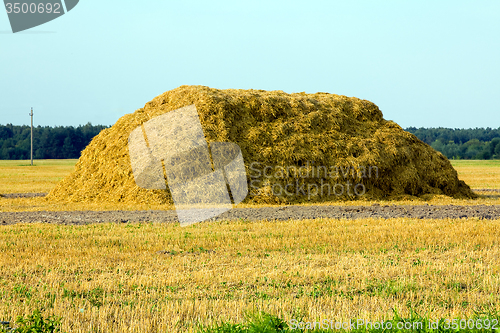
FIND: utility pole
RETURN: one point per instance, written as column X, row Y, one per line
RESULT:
column 31, row 114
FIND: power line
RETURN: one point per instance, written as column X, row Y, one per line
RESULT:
column 31, row 114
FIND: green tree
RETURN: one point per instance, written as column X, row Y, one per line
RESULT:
column 495, row 148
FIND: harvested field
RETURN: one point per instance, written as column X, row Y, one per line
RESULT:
column 140, row 277
column 21, row 177
column 479, row 174
column 432, row 254
column 332, row 141
column 153, row 277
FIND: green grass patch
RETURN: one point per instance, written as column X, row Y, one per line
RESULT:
column 33, row 323
column 475, row 163
column 267, row 323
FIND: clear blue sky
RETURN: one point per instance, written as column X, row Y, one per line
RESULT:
column 424, row 63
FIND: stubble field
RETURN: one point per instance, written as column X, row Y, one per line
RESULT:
column 149, row 277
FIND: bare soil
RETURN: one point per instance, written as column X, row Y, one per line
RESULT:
column 22, row 195
column 264, row 213
column 424, row 211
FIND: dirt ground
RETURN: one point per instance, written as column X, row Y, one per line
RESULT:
column 263, row 213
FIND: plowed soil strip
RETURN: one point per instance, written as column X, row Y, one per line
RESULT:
column 22, row 195
column 264, row 213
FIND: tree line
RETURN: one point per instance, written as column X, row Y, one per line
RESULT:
column 68, row 142
column 468, row 144
column 48, row 142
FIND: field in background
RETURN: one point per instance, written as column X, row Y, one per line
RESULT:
column 479, row 174
column 162, row 277
column 19, row 177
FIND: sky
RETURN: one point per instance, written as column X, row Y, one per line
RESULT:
column 424, row 63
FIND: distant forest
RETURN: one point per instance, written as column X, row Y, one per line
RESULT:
column 462, row 144
column 48, row 142
column 68, row 142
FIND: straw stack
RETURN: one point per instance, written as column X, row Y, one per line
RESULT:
column 306, row 141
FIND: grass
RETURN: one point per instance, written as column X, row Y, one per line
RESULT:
column 34, row 322
column 160, row 277
column 264, row 322
column 242, row 276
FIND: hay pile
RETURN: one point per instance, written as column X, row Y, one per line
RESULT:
column 298, row 142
